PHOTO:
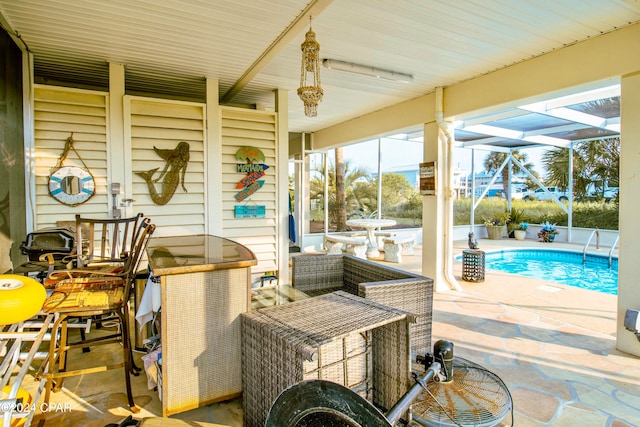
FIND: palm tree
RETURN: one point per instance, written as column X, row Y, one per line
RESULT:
column 348, row 202
column 495, row 159
column 604, row 155
column 396, row 193
column 341, row 201
column 556, row 163
column 595, row 163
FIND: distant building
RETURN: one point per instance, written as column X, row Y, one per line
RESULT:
column 484, row 178
column 461, row 184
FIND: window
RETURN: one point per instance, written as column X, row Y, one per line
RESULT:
column 357, row 192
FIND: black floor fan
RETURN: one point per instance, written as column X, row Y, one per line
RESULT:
column 473, row 396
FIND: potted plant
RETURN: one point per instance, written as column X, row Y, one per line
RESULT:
column 495, row 225
column 516, row 216
column 547, row 232
column 521, row 231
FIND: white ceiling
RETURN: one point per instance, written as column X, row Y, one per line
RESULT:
column 171, row 45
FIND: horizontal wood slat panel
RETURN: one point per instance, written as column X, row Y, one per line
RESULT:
column 248, row 128
column 75, row 97
column 53, row 107
column 237, row 135
column 184, row 134
column 58, row 114
column 168, row 122
column 254, row 126
column 71, row 117
column 256, row 116
column 164, row 125
column 169, row 109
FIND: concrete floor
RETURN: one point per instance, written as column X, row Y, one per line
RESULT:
column 553, row 345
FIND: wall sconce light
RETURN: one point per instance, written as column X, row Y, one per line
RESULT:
column 365, row 70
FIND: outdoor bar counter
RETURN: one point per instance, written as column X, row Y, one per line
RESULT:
column 205, row 284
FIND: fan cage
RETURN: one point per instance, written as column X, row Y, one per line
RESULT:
column 475, row 397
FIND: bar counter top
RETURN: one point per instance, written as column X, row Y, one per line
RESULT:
column 196, row 253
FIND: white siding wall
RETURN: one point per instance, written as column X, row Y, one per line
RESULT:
column 164, row 124
column 257, row 129
column 150, row 123
column 59, row 112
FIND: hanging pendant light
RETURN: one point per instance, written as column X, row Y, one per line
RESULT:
column 310, row 91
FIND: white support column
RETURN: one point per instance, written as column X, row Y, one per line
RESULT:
column 213, row 155
column 433, row 225
column 282, row 185
column 629, row 248
column 119, row 162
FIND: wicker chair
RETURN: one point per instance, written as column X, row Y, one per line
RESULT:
column 320, row 274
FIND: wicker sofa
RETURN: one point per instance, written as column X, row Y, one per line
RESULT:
column 319, row 274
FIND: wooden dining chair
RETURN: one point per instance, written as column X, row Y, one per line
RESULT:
column 109, row 257
column 98, row 242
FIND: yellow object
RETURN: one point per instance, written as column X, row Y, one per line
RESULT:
column 20, row 298
column 26, row 403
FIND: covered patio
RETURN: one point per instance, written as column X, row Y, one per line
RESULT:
column 554, row 350
column 131, row 82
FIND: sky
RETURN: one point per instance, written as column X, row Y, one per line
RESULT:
column 397, row 154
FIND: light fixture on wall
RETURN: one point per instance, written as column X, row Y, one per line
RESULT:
column 365, row 70
column 310, row 91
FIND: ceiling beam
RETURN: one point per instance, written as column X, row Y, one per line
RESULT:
column 4, row 23
column 493, row 117
column 582, row 97
column 313, row 9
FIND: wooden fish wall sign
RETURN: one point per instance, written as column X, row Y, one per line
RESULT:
column 172, row 174
column 251, row 182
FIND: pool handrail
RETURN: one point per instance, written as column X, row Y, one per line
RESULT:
column 584, row 251
column 597, row 234
column 615, row 243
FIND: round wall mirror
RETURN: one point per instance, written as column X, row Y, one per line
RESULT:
column 71, row 185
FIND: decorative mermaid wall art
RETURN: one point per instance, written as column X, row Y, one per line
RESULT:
column 173, row 173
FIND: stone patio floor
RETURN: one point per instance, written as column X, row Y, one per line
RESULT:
column 553, row 345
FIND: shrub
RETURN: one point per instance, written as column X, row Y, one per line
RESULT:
column 585, row 215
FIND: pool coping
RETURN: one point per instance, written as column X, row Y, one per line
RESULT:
column 590, row 309
column 595, row 258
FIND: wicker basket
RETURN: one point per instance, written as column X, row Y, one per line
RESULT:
column 495, row 231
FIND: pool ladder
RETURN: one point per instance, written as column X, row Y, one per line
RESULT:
column 596, row 232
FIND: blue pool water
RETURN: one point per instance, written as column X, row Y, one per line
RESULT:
column 560, row 266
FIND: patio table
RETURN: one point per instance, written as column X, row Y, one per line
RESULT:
column 352, row 341
column 371, row 224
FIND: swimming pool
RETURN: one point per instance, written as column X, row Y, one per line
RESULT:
column 560, row 266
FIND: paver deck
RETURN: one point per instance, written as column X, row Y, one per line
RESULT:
column 553, row 345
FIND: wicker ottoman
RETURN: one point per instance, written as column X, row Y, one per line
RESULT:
column 339, row 337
